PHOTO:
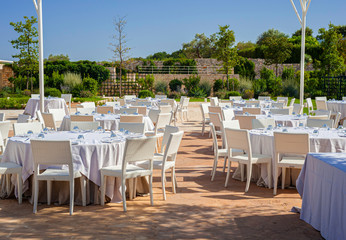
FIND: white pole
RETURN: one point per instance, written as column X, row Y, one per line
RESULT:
column 302, row 60
column 38, row 7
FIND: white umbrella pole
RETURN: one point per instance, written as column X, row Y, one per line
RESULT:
column 38, row 7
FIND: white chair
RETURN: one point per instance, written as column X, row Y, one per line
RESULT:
column 131, row 118
column 4, row 130
column 205, row 115
column 130, row 97
column 225, row 104
column 278, row 105
column 112, row 104
column 240, row 139
column 59, row 114
column 344, row 98
column 68, row 99
column 292, row 102
column 153, row 115
column 252, row 110
column 87, row 105
column 141, row 110
column 286, row 144
column 84, row 125
column 344, row 124
column 162, row 120
column 35, row 96
column 167, row 161
column 168, row 130
column 23, row 118
column 82, row 118
column 245, row 122
column 136, row 149
column 216, row 120
column 183, row 109
column 235, row 98
column 85, row 110
column 309, row 105
column 7, row 168
column 321, row 105
column 321, row 98
column 132, row 127
column 262, row 123
column 337, row 119
column 162, row 104
column 23, row 128
column 283, row 100
column 216, row 109
column 40, row 118
column 160, row 96
column 169, row 102
column 214, row 101
column 165, row 108
column 322, row 113
column 49, row 121
column 228, row 114
column 297, row 109
column 284, row 111
column 263, row 98
column 2, row 117
column 142, row 103
column 55, row 153
column 218, row 152
column 125, row 111
column 252, row 103
column 320, row 123
column 104, row 109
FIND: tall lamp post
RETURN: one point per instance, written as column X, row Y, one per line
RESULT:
column 305, row 6
column 38, row 7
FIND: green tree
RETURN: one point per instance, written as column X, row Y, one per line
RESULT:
column 27, row 44
column 61, row 57
column 245, row 45
column 200, row 47
column 225, row 50
column 276, row 50
column 308, row 32
column 271, row 33
column 332, row 61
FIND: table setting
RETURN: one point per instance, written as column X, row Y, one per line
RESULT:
column 33, row 105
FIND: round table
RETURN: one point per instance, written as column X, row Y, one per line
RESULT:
column 49, row 103
column 95, row 151
column 107, row 121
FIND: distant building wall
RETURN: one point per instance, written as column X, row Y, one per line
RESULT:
column 5, row 73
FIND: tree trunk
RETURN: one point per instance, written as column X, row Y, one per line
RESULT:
column 276, row 70
column 121, row 83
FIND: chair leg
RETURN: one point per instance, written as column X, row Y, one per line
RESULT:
column 151, row 189
column 49, row 192
column 213, row 170
column 35, row 194
column 163, row 182
column 241, row 172
column 103, row 188
column 123, row 192
column 228, row 172
column 283, row 176
column 248, row 172
column 83, row 190
column 71, row 196
column 276, row 173
column 224, row 164
column 20, row 187
column 8, row 183
column 173, row 179
column 203, row 127
column 269, row 170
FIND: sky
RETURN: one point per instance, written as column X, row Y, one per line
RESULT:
column 83, row 29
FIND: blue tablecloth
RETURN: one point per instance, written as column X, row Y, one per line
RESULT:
column 322, row 186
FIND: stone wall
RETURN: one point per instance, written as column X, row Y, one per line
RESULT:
column 5, row 73
column 259, row 64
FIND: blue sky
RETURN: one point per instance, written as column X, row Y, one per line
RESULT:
column 83, row 29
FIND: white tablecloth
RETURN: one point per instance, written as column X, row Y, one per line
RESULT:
column 263, row 142
column 49, row 103
column 97, row 150
column 108, row 122
column 154, row 102
column 322, row 186
column 337, row 106
column 286, row 120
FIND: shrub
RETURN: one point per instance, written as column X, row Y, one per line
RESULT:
column 147, row 82
column 197, row 92
column 7, row 89
column 3, row 94
column 55, row 81
column 160, row 87
column 264, row 94
column 267, row 73
column 290, row 88
column 53, row 92
column 145, row 93
column 27, row 92
column 233, row 84
column 175, row 85
column 244, row 84
column 86, row 94
column 248, row 94
column 232, row 93
column 287, row 73
column 222, row 94
column 72, row 79
column 205, row 86
column 245, row 68
column 13, row 103
column 174, row 95
column 191, row 84
column 76, row 90
column 274, row 86
column 259, row 85
column 218, row 85
column 90, row 84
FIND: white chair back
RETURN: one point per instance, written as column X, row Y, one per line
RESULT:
column 297, row 109
column 153, row 115
column 309, row 104
column 283, row 100
column 4, row 130
column 85, row 110
column 204, row 109
column 130, row 97
column 321, row 98
column 278, row 105
column 52, row 152
column 235, row 98
column 125, row 111
column 59, row 113
column 320, row 122
column 292, row 102
column 138, row 149
column 343, row 98
column 168, row 130
column 337, row 119
column 23, row 118
column 85, row 125
column 229, row 124
column 215, row 119
column 263, row 123
column 49, row 121
column 322, row 112
column 284, row 111
column 132, row 127
column 263, row 98
column 252, row 103
column 165, row 108
column 112, row 104
column 88, row 105
column 105, row 109
column 2, row 117
column 228, row 114
column 252, row 110
column 140, row 109
column 172, row 147
column 215, row 109
column 291, row 143
column 169, row 101
column 82, row 118
column 163, row 120
column 226, row 104
column 245, row 122
column 39, row 117
column 68, row 99
column 238, row 139
column 131, row 118
column 214, row 101
column 23, row 128
column 321, row 105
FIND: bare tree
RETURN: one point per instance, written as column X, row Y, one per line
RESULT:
column 119, row 45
